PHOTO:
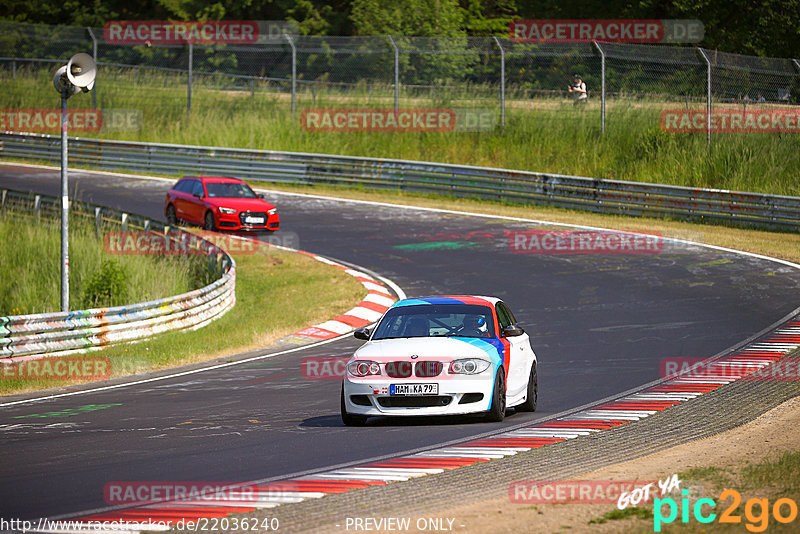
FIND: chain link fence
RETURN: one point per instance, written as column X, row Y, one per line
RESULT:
column 384, row 71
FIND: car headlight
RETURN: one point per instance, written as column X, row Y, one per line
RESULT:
column 468, row 366
column 363, row 368
column 273, row 211
column 229, row 211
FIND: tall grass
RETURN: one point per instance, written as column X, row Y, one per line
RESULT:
column 30, row 269
column 542, row 134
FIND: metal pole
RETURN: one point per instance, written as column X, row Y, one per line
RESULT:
column 189, row 82
column 502, row 82
column 294, row 72
column 396, row 74
column 64, row 205
column 602, row 87
column 708, row 95
column 94, row 56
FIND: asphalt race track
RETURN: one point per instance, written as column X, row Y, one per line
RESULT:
column 599, row 323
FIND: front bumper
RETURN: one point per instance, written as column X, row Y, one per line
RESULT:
column 236, row 221
column 456, row 396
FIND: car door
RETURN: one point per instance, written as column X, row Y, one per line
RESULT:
column 180, row 198
column 197, row 206
column 520, row 354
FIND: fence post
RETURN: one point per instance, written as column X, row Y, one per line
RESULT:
column 502, row 82
column 37, row 208
column 396, row 74
column 602, row 87
column 94, row 56
column 708, row 95
column 294, row 72
column 13, row 69
column 189, row 82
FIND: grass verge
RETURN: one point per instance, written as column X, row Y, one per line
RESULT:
column 30, row 272
column 277, row 293
column 546, row 135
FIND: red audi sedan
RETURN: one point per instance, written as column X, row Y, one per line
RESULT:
column 219, row 203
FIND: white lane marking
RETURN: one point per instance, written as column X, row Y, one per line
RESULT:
column 442, row 453
column 364, row 313
column 378, row 299
column 336, row 327
column 353, row 272
column 404, row 471
column 372, row 286
column 335, row 475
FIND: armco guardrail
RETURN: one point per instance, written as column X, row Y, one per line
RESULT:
column 57, row 334
column 607, row 196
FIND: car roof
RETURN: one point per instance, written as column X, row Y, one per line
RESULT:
column 207, row 179
column 448, row 299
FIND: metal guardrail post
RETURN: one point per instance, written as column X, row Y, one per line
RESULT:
column 602, row 87
column 94, row 56
column 708, row 95
column 396, row 73
column 294, row 71
column 502, row 82
column 189, row 80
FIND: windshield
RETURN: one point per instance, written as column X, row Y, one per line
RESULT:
column 436, row 320
column 229, row 190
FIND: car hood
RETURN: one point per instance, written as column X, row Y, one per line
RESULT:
column 442, row 348
column 241, row 204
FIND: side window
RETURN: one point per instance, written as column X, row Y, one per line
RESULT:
column 509, row 313
column 503, row 316
column 182, row 186
column 198, row 189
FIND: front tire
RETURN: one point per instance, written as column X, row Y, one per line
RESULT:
column 533, row 392
column 497, row 412
column 350, row 419
column 172, row 217
column 210, row 224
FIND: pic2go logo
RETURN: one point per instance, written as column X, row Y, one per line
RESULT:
column 756, row 511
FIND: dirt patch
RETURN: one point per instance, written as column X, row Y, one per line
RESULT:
column 765, row 438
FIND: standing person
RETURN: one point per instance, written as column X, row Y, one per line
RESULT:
column 578, row 90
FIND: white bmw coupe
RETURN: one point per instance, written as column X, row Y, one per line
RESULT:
column 443, row 355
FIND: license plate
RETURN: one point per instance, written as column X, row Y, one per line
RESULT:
column 414, row 389
column 254, row 220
